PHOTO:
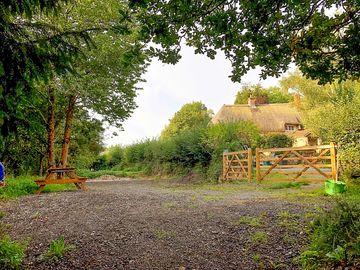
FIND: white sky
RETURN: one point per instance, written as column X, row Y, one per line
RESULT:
column 169, row 87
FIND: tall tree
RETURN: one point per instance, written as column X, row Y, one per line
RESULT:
column 191, row 115
column 106, row 78
column 271, row 34
column 31, row 49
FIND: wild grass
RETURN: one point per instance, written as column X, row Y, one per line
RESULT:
column 57, row 250
column 25, row 185
column 165, row 234
column 259, row 237
column 335, row 240
column 250, row 221
column 11, row 253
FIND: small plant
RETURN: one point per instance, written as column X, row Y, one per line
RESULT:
column 11, row 253
column 2, row 214
column 256, row 257
column 250, row 221
column 57, row 250
column 168, row 205
column 210, row 215
column 259, row 237
column 164, row 234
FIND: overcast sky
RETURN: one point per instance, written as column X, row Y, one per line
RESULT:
column 169, row 87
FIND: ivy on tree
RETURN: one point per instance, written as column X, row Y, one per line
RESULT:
column 271, row 34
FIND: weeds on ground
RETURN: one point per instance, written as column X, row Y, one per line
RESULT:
column 168, row 205
column 213, row 198
column 2, row 214
column 259, row 237
column 256, row 257
column 165, row 234
column 57, row 249
column 250, row 221
column 335, row 237
column 11, row 253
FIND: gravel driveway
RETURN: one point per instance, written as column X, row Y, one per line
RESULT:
column 143, row 224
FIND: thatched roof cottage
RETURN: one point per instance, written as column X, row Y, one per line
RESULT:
column 270, row 118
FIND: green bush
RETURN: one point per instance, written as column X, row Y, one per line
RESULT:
column 11, row 253
column 335, row 239
column 276, row 141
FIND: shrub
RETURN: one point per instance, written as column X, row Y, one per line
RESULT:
column 11, row 253
column 335, row 237
column 276, row 141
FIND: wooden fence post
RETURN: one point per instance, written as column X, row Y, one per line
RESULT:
column 225, row 164
column 249, row 165
column 257, row 152
column 333, row 161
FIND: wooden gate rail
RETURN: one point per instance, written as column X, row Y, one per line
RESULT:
column 237, row 165
column 312, row 160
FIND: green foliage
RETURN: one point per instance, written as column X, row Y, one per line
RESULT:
column 333, row 113
column 11, row 253
column 335, row 237
column 191, row 115
column 276, row 141
column 259, row 237
column 57, row 249
column 262, row 95
column 258, row 33
column 194, row 149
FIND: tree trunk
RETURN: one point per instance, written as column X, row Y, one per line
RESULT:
column 41, row 167
column 67, row 132
column 51, row 128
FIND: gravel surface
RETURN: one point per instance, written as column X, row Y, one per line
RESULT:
column 143, row 224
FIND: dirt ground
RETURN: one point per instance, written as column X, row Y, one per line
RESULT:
column 143, row 224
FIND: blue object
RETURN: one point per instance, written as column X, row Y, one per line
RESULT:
column 2, row 172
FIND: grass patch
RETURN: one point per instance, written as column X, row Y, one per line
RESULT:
column 284, row 185
column 256, row 257
column 168, row 205
column 259, row 237
column 250, row 221
column 213, row 198
column 57, row 249
column 96, row 174
column 165, row 234
column 25, row 185
column 11, row 253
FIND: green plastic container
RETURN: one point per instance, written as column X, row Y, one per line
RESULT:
column 332, row 187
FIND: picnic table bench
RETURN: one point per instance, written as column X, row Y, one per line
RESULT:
column 61, row 176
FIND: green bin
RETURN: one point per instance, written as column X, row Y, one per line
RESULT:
column 332, row 187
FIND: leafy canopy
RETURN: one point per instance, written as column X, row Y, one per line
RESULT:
column 263, row 95
column 190, row 115
column 271, row 34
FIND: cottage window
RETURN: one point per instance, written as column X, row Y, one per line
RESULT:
column 290, row 128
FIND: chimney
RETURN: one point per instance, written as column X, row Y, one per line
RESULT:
column 252, row 102
column 297, row 100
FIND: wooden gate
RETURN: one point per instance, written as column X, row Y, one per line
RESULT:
column 292, row 163
column 237, row 165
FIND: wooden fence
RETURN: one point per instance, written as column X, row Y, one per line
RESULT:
column 237, row 165
column 288, row 164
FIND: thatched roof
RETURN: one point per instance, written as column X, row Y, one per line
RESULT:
column 268, row 117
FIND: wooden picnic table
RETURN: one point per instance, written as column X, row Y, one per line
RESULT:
column 57, row 175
